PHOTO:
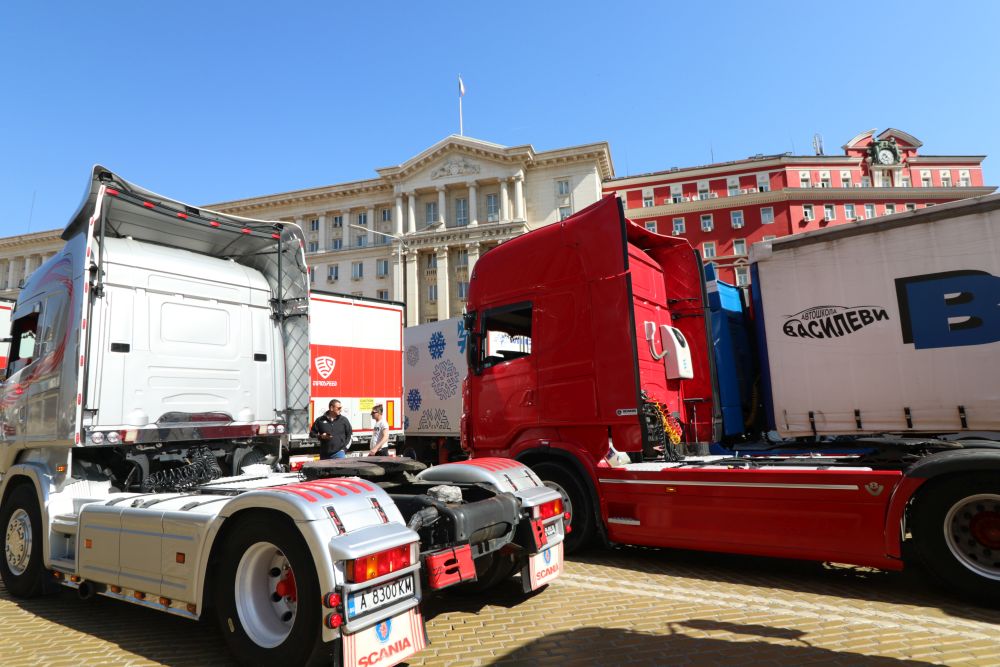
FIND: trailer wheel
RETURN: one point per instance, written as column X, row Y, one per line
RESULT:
column 21, row 567
column 580, row 526
column 267, row 596
column 956, row 527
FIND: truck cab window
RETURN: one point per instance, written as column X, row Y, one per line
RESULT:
column 506, row 334
column 22, row 342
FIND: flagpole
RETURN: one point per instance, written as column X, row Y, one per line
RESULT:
column 461, row 129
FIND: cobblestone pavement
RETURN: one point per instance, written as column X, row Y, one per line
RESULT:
column 624, row 606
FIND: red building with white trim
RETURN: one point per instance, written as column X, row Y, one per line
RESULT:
column 725, row 207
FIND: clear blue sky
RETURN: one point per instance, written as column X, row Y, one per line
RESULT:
column 216, row 100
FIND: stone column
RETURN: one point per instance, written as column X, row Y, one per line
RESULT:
column 444, row 300
column 11, row 273
column 397, row 274
column 411, row 216
column 322, row 233
column 412, row 287
column 504, row 206
column 4, row 270
column 397, row 222
column 519, row 197
column 442, row 204
column 371, row 225
column 473, row 249
column 345, row 230
column 473, row 205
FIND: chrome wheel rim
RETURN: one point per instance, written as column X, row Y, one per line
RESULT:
column 265, row 594
column 17, row 547
column 972, row 533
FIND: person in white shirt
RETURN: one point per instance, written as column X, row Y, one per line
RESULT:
column 380, row 433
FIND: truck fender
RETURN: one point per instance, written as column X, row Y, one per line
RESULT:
column 41, row 478
column 529, row 453
column 927, row 469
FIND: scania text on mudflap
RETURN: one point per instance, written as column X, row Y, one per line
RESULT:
column 851, row 410
column 158, row 367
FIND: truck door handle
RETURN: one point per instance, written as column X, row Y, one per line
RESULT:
column 651, row 340
column 528, row 399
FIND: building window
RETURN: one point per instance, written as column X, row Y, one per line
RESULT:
column 945, row 179
column 463, row 290
column 678, row 226
column 766, row 215
column 562, row 188
column 462, row 258
column 357, row 270
column 647, row 202
column 461, row 212
column 807, row 212
column 706, row 222
column 824, row 179
column 911, row 207
column 964, row 180
column 312, row 246
column 708, row 249
column 849, row 211
column 651, row 226
column 886, row 179
column 565, row 212
column 492, row 207
column 866, row 182
column 382, row 294
column 432, row 293
column 381, row 268
column 676, row 194
column 905, row 182
column 314, row 225
column 829, row 212
column 702, row 190
column 337, row 244
column 338, row 221
column 739, row 246
column 430, row 213
column 845, row 179
column 869, row 211
column 763, row 183
column 333, row 272
column 386, row 215
column 363, row 219
column 804, row 180
column 925, row 179
column 890, row 209
column 733, row 187
column 742, row 276
column 432, row 261
column 312, row 274
column 736, row 218
column 361, row 240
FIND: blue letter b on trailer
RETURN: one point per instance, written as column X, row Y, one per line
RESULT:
column 949, row 309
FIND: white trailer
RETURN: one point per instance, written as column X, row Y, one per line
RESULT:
column 159, row 363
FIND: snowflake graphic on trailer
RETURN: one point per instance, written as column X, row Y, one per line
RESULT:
column 413, row 399
column 412, row 355
column 406, row 422
column 463, row 336
column 445, row 380
column 436, row 419
column 436, row 346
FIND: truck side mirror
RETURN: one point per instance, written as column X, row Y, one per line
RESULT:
column 469, row 320
column 472, row 347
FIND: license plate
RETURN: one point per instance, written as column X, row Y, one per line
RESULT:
column 543, row 567
column 386, row 643
column 550, row 530
column 379, row 596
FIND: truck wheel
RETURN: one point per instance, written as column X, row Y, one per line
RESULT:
column 576, row 501
column 267, row 596
column 21, row 567
column 956, row 528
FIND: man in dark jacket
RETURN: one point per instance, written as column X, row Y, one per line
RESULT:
column 333, row 431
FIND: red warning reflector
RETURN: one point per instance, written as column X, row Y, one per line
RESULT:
column 214, row 223
column 182, row 216
column 276, row 236
column 148, row 204
column 245, row 230
column 112, row 192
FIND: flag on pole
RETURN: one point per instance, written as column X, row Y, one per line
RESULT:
column 461, row 87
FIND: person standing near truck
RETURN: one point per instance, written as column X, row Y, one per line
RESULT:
column 380, row 433
column 333, row 430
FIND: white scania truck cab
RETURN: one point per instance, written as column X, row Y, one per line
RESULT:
column 158, row 365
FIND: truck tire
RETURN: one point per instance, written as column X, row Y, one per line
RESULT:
column 267, row 597
column 577, row 502
column 21, row 565
column 956, row 529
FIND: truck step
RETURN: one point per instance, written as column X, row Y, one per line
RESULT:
column 624, row 521
column 66, row 524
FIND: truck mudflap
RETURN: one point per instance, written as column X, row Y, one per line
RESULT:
column 542, row 568
column 388, row 642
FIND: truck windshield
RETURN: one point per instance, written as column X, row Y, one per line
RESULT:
column 22, row 348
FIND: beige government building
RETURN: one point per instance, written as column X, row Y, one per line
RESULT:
column 414, row 232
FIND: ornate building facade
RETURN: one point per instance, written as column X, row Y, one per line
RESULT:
column 414, row 233
column 723, row 208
